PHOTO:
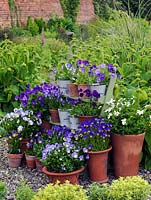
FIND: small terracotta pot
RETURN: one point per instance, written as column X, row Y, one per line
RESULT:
column 83, row 118
column 39, row 165
column 45, row 126
column 97, row 165
column 54, row 115
column 62, row 177
column 126, row 154
column 30, row 161
column 73, row 90
column 14, row 160
column 83, row 87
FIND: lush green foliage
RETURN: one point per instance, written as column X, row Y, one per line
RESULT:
column 3, row 190
column 61, row 192
column 24, row 192
column 70, row 8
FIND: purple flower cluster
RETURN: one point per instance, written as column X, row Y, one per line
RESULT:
column 63, row 153
column 97, row 73
column 94, row 134
column 38, row 97
column 88, row 93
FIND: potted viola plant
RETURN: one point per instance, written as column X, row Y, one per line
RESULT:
column 63, row 158
column 14, row 154
column 37, row 99
column 23, row 122
column 129, row 121
column 94, row 77
column 93, row 136
column 87, row 108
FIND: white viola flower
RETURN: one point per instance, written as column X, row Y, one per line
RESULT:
column 109, row 115
column 16, row 110
column 7, row 116
column 39, row 122
column 140, row 112
column 25, row 119
column 30, row 122
column 31, row 112
column 19, row 129
column 116, row 113
column 123, row 121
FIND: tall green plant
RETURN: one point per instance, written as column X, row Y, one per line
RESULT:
column 18, row 66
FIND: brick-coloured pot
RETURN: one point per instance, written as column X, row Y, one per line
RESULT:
column 126, row 154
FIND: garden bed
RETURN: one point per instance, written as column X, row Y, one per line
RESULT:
column 36, row 179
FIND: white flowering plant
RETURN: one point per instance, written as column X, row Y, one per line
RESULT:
column 128, row 116
column 23, row 122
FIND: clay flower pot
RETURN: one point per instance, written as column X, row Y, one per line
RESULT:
column 62, row 177
column 45, row 126
column 39, row 165
column 54, row 115
column 73, row 90
column 126, row 153
column 97, row 165
column 30, row 161
column 14, row 160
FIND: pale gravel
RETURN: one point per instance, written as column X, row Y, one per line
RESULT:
column 36, row 179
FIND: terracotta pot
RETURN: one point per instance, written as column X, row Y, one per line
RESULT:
column 73, row 90
column 39, row 165
column 62, row 177
column 83, row 87
column 30, row 161
column 45, row 126
column 83, row 118
column 97, row 165
column 54, row 115
column 126, row 154
column 14, row 160
column 24, row 142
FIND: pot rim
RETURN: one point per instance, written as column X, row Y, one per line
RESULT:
column 11, row 155
column 44, row 170
column 128, row 135
column 98, row 152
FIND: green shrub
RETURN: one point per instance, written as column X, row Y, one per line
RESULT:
column 40, row 23
column 98, row 191
column 64, row 191
column 3, row 190
column 130, row 188
column 32, row 27
column 24, row 192
column 19, row 31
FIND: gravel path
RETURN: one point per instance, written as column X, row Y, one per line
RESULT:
column 36, row 179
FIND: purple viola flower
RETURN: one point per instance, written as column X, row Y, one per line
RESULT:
column 40, row 98
column 87, row 92
column 16, row 98
column 82, row 69
column 81, row 158
column 38, row 115
column 74, row 155
column 102, row 65
column 87, row 157
column 34, row 102
column 85, row 62
column 79, row 62
column 85, row 150
column 95, row 94
column 111, row 68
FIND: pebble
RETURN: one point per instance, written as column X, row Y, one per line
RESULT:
column 13, row 177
